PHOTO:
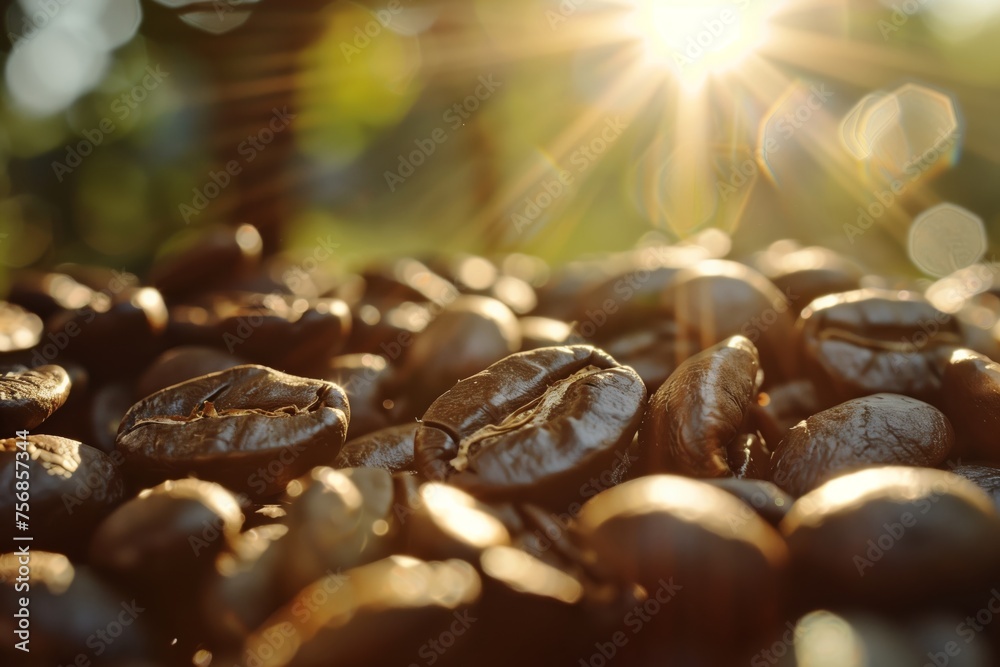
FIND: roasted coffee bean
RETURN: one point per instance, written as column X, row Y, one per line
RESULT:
column 250, row 428
column 876, row 536
column 286, row 332
column 71, row 487
column 884, row 429
column 870, row 341
column 970, row 397
column 179, row 364
column 805, row 274
column 389, row 448
column 714, row 300
column 535, row 426
column 363, row 377
column 698, row 422
column 470, row 334
column 444, row 522
column 20, row 330
column 116, row 333
column 764, row 498
column 406, row 279
column 29, row 397
column 782, row 407
column 46, row 293
column 538, row 332
column 986, row 477
column 207, row 259
column 337, row 519
column 72, row 616
column 713, row 569
column 170, row 533
column 382, row 613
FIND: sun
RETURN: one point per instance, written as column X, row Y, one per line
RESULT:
column 698, row 39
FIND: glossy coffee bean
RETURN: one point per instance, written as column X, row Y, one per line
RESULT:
column 382, row 613
column 764, row 498
column 535, row 426
column 713, row 569
column 20, row 329
column 467, row 336
column 363, row 378
column 698, row 422
column 884, row 429
column 250, row 428
column 179, row 364
column 337, row 519
column 870, row 341
column 68, row 486
column 444, row 522
column 874, row 537
column 389, row 448
column 286, row 332
column 29, row 397
column 74, row 617
column 207, row 259
column 970, row 397
column 714, row 300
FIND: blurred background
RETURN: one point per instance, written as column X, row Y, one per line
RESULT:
column 556, row 127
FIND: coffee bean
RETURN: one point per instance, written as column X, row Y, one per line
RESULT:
column 884, row 429
column 986, row 477
column 710, row 575
column 869, row 341
column 29, row 397
column 72, row 487
column 697, row 423
column 536, row 425
column 444, row 522
column 893, row 537
column 364, row 378
column 210, row 258
column 970, row 397
column 390, row 449
column 19, row 329
column 250, row 428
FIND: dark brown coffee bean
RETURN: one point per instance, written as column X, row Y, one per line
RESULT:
column 286, row 332
column 390, row 449
column 29, row 397
column 117, row 332
column 970, row 397
column 764, row 498
column 19, row 329
column 70, row 488
column 179, row 364
column 986, row 477
column 712, row 567
column 538, row 332
column 207, row 259
column 870, row 341
column 884, row 429
column 377, row 614
column 893, row 537
column 73, row 617
column 697, row 423
column 535, row 426
column 717, row 299
column 444, row 522
column 805, row 274
column 250, row 428
column 470, row 334
column 363, row 377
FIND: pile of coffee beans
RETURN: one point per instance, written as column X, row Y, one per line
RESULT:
column 657, row 457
